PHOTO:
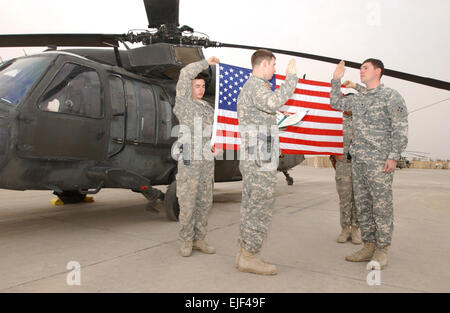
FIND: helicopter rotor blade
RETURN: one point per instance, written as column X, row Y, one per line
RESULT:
column 387, row 72
column 162, row 12
column 73, row 40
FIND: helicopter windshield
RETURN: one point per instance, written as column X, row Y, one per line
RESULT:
column 17, row 77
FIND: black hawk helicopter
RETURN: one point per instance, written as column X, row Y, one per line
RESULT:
column 78, row 120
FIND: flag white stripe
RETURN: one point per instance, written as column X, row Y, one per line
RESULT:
column 290, row 146
column 227, row 113
column 311, row 137
column 319, row 125
column 216, row 107
column 315, row 112
column 229, row 127
column 308, row 98
column 228, row 140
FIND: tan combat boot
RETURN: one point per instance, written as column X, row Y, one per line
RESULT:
column 365, row 254
column 380, row 256
column 203, row 247
column 186, row 248
column 356, row 236
column 344, row 235
column 251, row 263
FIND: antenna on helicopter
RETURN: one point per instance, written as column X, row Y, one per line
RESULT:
column 427, row 106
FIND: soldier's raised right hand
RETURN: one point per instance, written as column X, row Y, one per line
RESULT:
column 213, row 61
column 339, row 71
column 291, row 68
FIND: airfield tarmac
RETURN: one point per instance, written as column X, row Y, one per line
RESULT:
column 123, row 246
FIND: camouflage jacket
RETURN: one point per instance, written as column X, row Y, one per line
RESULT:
column 347, row 125
column 195, row 117
column 257, row 106
column 380, row 121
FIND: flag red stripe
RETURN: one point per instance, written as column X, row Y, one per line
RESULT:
column 291, row 151
column 227, row 133
column 312, row 93
column 310, row 105
column 322, row 119
column 226, row 146
column 312, row 143
column 227, row 120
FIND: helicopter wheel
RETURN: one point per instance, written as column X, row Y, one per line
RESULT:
column 70, row 196
column 171, row 204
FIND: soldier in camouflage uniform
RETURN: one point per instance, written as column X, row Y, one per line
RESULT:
column 196, row 163
column 256, row 108
column 343, row 176
column 344, row 187
column 380, row 134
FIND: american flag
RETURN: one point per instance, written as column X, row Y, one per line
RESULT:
column 319, row 132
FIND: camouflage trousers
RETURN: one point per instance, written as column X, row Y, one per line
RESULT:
column 373, row 197
column 195, row 195
column 258, row 198
column 344, row 187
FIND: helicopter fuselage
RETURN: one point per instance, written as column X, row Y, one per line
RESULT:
column 68, row 123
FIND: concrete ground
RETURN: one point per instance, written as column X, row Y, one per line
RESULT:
column 122, row 246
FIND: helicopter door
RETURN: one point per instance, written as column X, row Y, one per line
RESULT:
column 68, row 122
column 165, row 117
column 146, row 113
column 118, row 116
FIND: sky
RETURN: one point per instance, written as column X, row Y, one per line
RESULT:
column 411, row 36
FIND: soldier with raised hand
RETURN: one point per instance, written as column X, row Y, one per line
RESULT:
column 256, row 108
column 344, row 185
column 195, row 165
column 343, row 177
column 380, row 134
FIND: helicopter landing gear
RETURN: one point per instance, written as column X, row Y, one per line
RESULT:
column 152, row 196
column 171, row 204
column 289, row 179
column 70, row 196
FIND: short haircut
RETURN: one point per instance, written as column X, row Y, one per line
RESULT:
column 261, row 55
column 203, row 76
column 376, row 64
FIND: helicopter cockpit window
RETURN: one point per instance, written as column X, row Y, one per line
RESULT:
column 74, row 90
column 17, row 77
